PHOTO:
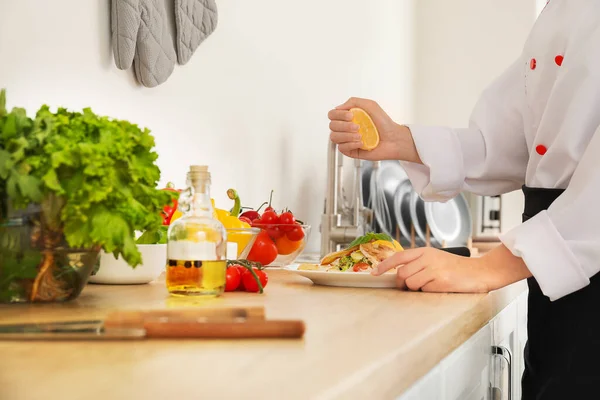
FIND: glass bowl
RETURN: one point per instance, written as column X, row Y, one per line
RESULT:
column 287, row 250
column 240, row 241
column 38, row 265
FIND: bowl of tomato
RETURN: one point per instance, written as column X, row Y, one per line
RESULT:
column 240, row 241
column 278, row 245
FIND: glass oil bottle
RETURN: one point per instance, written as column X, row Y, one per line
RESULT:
column 196, row 246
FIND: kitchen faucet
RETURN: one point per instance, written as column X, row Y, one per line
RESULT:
column 341, row 222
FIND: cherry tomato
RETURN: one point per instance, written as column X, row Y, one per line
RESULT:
column 269, row 218
column 241, row 270
column 246, row 220
column 257, row 223
column 275, row 232
column 285, row 246
column 264, row 250
column 360, row 267
column 250, row 214
column 233, row 278
column 296, row 233
column 287, row 218
column 250, row 283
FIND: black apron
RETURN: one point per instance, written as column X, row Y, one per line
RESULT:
column 562, row 355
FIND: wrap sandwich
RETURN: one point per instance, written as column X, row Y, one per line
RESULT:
column 362, row 255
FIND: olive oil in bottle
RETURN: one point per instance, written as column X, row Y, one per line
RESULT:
column 197, row 242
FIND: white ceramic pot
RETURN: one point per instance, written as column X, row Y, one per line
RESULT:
column 117, row 272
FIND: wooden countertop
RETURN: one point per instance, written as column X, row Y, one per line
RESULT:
column 359, row 343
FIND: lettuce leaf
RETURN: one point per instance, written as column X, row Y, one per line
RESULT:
column 370, row 237
column 97, row 174
column 158, row 236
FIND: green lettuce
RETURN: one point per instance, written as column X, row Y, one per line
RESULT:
column 95, row 177
column 370, row 237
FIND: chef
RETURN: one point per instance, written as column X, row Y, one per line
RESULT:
column 537, row 127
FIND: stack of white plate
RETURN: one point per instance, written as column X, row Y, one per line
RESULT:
column 387, row 190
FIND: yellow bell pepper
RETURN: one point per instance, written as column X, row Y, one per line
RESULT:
column 176, row 215
column 230, row 222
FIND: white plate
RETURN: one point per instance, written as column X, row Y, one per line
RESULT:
column 418, row 218
column 346, row 279
column 387, row 176
column 402, row 212
column 450, row 222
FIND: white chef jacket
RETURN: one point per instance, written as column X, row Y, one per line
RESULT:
column 538, row 124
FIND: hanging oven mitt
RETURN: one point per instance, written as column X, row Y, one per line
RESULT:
column 141, row 36
column 195, row 21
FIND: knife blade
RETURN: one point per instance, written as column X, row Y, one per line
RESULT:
column 206, row 323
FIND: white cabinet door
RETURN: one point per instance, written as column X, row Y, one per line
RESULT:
column 505, row 375
column 463, row 375
column 427, row 388
column 465, row 372
column 521, row 340
column 488, row 366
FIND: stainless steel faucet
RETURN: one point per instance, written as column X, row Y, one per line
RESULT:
column 341, row 223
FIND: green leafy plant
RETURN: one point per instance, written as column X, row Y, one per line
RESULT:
column 156, row 236
column 94, row 177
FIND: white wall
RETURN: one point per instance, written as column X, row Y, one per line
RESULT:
column 462, row 45
column 252, row 103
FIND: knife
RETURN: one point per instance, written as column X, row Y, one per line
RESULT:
column 232, row 323
column 459, row 251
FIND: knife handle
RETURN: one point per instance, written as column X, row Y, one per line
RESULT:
column 459, row 251
column 137, row 319
column 226, row 330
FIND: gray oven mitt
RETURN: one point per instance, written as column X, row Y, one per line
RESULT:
column 195, row 20
column 141, row 35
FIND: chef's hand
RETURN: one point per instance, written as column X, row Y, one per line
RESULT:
column 395, row 141
column 432, row 270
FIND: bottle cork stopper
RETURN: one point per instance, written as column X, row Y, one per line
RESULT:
column 198, row 168
column 199, row 176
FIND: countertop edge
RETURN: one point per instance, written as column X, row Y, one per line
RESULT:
column 380, row 379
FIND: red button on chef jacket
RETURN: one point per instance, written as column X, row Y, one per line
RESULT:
column 541, row 149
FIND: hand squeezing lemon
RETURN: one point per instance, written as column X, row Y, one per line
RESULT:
column 367, row 128
column 362, row 129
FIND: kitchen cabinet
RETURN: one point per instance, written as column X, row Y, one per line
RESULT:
column 428, row 387
column 488, row 366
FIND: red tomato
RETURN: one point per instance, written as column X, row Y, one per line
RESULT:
column 269, row 218
column 250, row 214
column 287, row 218
column 257, row 223
column 250, row 282
column 296, row 233
column 241, row 270
column 264, row 250
column 275, row 233
column 246, row 220
column 234, row 277
column 360, row 267
column 285, row 246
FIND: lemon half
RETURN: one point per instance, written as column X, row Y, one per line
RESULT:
column 367, row 129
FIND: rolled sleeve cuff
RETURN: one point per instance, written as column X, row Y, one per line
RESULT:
column 441, row 177
column 547, row 255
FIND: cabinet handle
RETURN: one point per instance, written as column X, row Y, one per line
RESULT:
column 503, row 352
